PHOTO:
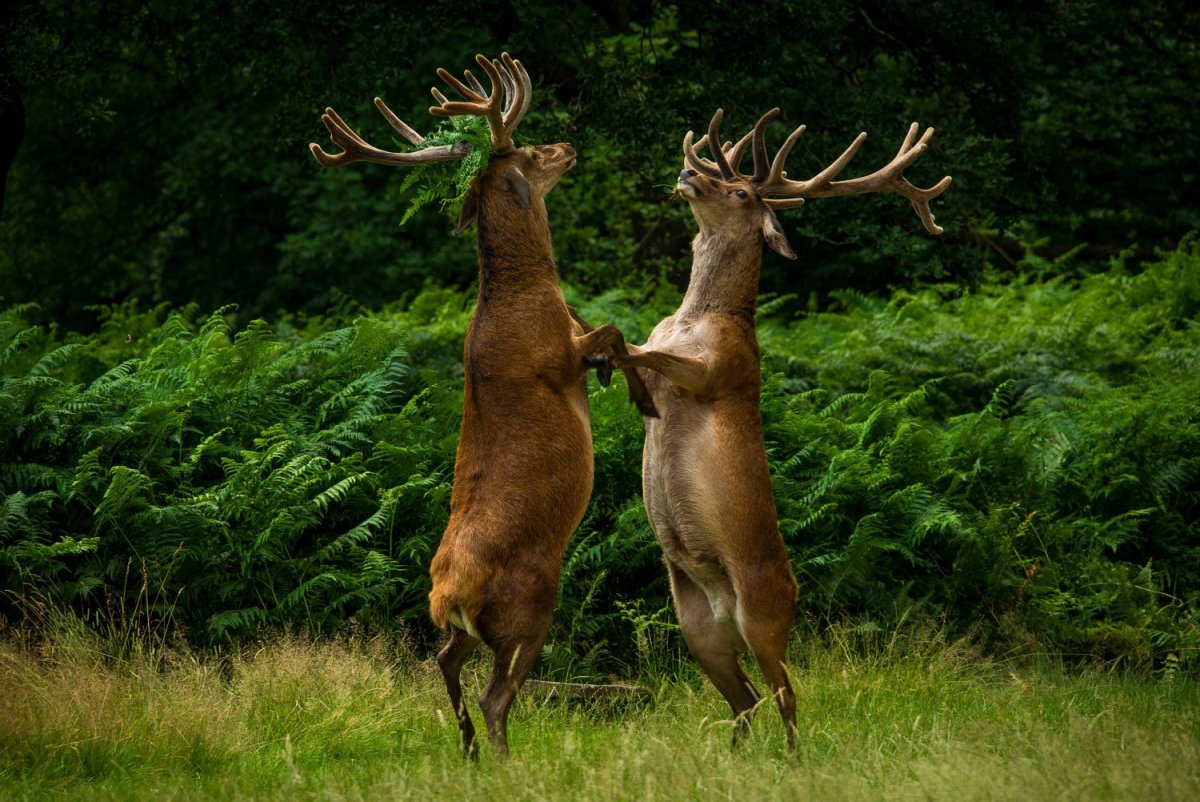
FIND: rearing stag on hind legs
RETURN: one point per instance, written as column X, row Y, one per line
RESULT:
column 524, row 467
column 705, row 478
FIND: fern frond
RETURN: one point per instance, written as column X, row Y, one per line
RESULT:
column 447, row 183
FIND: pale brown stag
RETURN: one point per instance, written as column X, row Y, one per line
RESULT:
column 524, row 466
column 705, row 478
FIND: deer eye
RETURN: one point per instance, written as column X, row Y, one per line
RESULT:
column 741, row 193
column 536, row 155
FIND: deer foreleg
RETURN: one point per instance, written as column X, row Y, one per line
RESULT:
column 595, row 346
column 588, row 328
column 600, row 348
column 688, row 372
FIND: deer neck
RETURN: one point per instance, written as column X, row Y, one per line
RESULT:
column 725, row 270
column 513, row 244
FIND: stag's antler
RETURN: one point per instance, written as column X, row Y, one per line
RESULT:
column 770, row 179
column 504, row 106
column 356, row 149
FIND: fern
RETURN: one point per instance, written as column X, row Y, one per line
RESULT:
column 1019, row 461
column 447, row 183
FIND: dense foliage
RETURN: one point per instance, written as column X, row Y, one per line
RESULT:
column 164, row 149
column 1019, row 461
column 996, row 428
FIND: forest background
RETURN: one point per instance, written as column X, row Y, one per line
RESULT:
column 230, row 381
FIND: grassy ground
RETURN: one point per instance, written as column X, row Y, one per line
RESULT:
column 362, row 720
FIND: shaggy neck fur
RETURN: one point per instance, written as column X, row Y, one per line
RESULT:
column 513, row 243
column 725, row 268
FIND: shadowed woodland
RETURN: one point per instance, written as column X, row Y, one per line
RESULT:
column 231, row 381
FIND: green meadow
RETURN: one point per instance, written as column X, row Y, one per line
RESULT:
column 912, row 717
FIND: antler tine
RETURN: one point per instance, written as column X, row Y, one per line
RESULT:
column 759, row 139
column 693, row 160
column 476, row 87
column 735, row 154
column 341, row 135
column 355, row 148
column 701, row 143
column 920, row 199
column 510, row 87
column 889, row 178
column 776, row 173
column 718, row 154
column 399, row 125
column 524, row 91
column 466, row 92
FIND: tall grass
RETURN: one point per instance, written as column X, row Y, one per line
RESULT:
column 910, row 717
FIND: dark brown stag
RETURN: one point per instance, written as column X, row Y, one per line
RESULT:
column 523, row 471
column 705, row 478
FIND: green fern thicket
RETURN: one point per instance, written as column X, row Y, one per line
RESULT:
column 1019, row 462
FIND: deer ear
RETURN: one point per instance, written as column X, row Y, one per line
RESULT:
column 519, row 186
column 470, row 210
column 774, row 235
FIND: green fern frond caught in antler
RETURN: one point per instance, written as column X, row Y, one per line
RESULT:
column 447, row 183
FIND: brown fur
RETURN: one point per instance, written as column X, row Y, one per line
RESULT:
column 705, row 478
column 706, row 483
column 523, row 471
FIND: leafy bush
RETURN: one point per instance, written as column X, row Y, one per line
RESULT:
column 171, row 141
column 1020, row 462
column 1025, row 456
column 289, row 475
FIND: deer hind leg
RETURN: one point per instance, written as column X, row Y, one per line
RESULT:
column 765, row 621
column 450, row 660
column 715, row 645
column 514, row 661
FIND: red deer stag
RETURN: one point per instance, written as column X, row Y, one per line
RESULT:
column 705, row 479
column 523, row 471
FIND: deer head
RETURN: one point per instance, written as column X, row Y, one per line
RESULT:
column 527, row 174
column 723, row 198
column 518, row 181
column 524, row 175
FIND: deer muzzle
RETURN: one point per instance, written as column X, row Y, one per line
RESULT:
column 684, row 183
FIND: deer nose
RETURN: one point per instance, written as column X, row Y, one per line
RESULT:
column 686, row 173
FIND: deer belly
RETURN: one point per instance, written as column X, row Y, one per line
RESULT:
column 684, row 496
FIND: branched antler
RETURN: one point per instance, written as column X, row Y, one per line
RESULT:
column 504, row 106
column 771, row 179
column 356, row 149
